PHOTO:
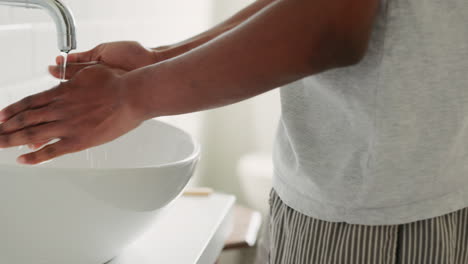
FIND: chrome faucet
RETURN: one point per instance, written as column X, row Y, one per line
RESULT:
column 61, row 14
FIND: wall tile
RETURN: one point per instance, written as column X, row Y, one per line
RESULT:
column 45, row 49
column 16, row 53
column 5, row 17
column 20, row 15
column 29, row 41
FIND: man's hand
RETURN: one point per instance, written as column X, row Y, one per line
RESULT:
column 89, row 110
column 125, row 55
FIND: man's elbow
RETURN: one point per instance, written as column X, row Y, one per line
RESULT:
column 348, row 51
column 334, row 54
column 352, row 57
column 345, row 41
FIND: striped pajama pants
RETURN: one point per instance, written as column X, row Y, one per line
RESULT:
column 293, row 238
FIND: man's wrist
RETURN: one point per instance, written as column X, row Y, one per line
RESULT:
column 160, row 54
column 133, row 98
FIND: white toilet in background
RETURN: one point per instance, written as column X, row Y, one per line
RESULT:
column 255, row 172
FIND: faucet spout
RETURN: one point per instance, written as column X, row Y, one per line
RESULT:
column 60, row 13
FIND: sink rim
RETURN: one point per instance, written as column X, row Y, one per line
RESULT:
column 194, row 156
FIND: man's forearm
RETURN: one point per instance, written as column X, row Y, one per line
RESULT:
column 286, row 41
column 189, row 44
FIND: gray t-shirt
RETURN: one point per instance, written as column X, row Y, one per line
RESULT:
column 385, row 141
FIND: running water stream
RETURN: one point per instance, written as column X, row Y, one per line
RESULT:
column 63, row 68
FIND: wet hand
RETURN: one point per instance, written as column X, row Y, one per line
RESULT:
column 125, row 55
column 89, row 110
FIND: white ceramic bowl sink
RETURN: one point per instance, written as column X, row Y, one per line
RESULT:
column 84, row 208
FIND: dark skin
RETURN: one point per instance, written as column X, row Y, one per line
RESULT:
column 280, row 42
column 130, row 55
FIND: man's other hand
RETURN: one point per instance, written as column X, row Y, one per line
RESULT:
column 89, row 110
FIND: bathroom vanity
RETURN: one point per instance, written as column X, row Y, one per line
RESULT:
column 191, row 231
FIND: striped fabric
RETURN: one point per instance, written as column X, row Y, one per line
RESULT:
column 298, row 239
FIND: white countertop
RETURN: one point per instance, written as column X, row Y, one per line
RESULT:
column 192, row 230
